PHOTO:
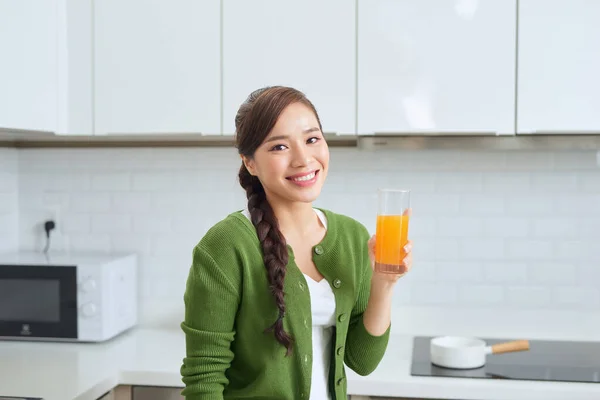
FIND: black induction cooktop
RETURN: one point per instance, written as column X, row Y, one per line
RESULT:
column 546, row 360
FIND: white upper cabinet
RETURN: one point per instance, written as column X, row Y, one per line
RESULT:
column 559, row 64
column 436, row 66
column 307, row 44
column 75, row 111
column 29, row 65
column 157, row 66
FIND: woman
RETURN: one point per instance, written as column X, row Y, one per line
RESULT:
column 281, row 295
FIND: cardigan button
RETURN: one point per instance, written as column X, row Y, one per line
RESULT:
column 301, row 285
column 342, row 317
column 339, row 350
column 337, row 283
column 340, row 381
column 319, row 250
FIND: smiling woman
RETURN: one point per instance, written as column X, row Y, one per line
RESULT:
column 282, row 294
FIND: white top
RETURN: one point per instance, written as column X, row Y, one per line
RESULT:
column 322, row 302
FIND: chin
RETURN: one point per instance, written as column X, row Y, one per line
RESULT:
column 309, row 199
column 306, row 197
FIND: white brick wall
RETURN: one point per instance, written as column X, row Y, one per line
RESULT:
column 9, row 224
column 491, row 229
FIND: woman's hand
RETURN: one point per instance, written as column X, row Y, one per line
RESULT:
column 407, row 262
column 378, row 313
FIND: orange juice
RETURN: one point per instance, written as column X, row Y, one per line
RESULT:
column 391, row 237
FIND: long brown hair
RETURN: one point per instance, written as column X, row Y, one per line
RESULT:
column 255, row 118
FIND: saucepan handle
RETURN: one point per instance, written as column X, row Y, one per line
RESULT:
column 508, row 347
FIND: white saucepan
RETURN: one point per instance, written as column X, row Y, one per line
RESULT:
column 465, row 353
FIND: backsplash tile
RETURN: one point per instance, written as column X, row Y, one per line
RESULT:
column 9, row 211
column 492, row 229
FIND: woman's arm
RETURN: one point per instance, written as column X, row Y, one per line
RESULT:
column 364, row 350
column 211, row 303
column 370, row 321
column 379, row 309
column 378, row 314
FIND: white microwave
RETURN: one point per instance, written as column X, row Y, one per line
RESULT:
column 79, row 297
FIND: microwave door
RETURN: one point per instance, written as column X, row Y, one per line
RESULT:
column 38, row 302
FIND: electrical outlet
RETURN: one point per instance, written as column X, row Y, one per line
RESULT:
column 58, row 241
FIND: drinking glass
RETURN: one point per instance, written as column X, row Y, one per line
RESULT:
column 393, row 215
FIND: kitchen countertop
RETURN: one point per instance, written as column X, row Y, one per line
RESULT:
column 143, row 356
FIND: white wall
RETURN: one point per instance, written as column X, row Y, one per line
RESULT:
column 9, row 224
column 492, row 230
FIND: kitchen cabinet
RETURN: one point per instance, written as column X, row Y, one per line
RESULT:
column 129, row 392
column 156, row 393
column 558, row 64
column 75, row 85
column 29, row 67
column 46, row 70
column 306, row 44
column 436, row 66
column 157, row 67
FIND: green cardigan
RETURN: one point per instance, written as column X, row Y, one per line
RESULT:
column 228, row 305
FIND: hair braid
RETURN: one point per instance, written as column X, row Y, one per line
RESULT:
column 274, row 247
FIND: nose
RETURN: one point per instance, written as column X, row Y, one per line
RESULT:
column 301, row 157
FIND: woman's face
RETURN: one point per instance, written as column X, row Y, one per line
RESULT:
column 293, row 160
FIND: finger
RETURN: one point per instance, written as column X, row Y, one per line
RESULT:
column 407, row 262
column 408, row 246
column 407, row 212
column 372, row 242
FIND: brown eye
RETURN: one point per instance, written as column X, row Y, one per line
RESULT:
column 278, row 147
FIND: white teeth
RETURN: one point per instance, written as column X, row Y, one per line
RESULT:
column 305, row 178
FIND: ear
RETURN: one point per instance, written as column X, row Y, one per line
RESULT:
column 250, row 165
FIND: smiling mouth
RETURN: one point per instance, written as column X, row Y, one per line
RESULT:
column 304, row 178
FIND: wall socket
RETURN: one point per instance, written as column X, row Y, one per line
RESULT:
column 58, row 241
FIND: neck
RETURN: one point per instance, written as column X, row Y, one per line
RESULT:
column 295, row 218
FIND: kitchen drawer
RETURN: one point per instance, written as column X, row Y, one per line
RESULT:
column 156, row 393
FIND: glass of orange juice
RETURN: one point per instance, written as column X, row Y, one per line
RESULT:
column 393, row 215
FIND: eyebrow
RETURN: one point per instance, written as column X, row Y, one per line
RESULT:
column 280, row 137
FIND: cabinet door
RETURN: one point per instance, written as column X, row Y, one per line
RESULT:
column 29, row 66
column 306, row 44
column 157, row 66
column 156, row 393
column 559, row 60
column 436, row 66
column 75, row 111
